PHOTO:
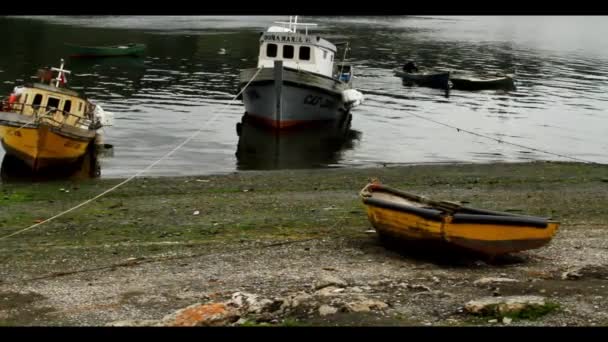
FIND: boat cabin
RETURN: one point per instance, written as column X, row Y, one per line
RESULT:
column 297, row 50
column 61, row 105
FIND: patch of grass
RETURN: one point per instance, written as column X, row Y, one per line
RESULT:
column 290, row 322
column 535, row 312
column 531, row 312
column 13, row 197
column 255, row 324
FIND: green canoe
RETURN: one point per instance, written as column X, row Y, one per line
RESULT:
column 132, row 49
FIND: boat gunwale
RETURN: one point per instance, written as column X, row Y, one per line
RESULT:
column 294, row 70
column 429, row 214
column 401, row 73
column 466, row 214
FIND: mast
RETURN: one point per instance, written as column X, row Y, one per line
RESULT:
column 60, row 73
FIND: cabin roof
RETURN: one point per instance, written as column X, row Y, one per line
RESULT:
column 53, row 89
column 296, row 38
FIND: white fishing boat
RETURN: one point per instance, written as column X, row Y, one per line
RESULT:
column 297, row 81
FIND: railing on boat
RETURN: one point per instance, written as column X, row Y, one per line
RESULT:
column 51, row 115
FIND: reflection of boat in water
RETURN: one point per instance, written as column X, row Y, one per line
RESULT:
column 260, row 148
column 45, row 124
column 132, row 49
column 463, row 82
column 124, row 62
column 405, row 217
column 297, row 82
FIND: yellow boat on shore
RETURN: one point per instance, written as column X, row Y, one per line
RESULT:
column 401, row 216
column 46, row 124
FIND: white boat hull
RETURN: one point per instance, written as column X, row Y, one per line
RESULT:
column 305, row 99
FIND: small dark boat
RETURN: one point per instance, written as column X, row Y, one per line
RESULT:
column 132, row 49
column 483, row 83
column 440, row 80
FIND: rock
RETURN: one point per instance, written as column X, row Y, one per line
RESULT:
column 365, row 305
column 356, row 289
column 493, row 280
column 264, row 317
column 196, row 212
column 419, row 287
column 135, row 323
column 503, row 305
column 293, row 302
column 325, row 310
column 329, row 280
column 214, row 314
column 587, row 271
column 329, row 291
column 380, row 282
column 493, row 321
column 250, row 303
column 507, row 320
column 435, row 280
column 571, row 275
column 440, row 294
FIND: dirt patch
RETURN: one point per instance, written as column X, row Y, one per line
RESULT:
column 22, row 309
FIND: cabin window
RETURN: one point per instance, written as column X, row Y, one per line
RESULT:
column 53, row 103
column 271, row 50
column 324, row 54
column 304, row 53
column 37, row 100
column 79, row 107
column 288, row 51
column 331, row 57
column 67, row 106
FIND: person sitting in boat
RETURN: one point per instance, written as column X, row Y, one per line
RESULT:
column 410, row 67
column 45, row 75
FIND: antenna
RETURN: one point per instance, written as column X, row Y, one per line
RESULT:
column 293, row 24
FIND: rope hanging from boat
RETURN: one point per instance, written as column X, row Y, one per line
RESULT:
column 503, row 141
column 496, row 139
column 34, row 119
column 143, row 170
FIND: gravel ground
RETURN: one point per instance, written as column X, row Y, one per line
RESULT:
column 147, row 280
